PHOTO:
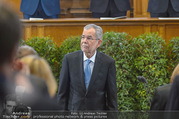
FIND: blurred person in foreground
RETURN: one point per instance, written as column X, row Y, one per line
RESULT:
column 25, row 50
column 10, row 32
column 22, row 51
column 9, row 39
column 39, row 67
column 161, row 93
column 88, row 77
column 39, row 84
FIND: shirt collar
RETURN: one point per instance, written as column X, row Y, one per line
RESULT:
column 92, row 58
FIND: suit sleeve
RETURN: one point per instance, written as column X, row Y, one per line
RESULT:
column 63, row 90
column 155, row 101
column 112, row 87
column 173, row 100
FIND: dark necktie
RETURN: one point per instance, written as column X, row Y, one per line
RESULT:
column 87, row 73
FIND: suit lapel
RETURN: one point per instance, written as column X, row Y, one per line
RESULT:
column 96, row 69
column 81, row 70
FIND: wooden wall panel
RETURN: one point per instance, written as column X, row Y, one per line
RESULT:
column 60, row 29
column 124, row 28
column 140, row 8
column 75, row 8
column 14, row 5
column 63, row 32
column 171, row 31
column 154, row 28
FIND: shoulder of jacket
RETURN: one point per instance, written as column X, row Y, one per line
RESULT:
column 72, row 54
column 106, row 57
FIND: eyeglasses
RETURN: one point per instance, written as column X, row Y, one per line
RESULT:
column 88, row 37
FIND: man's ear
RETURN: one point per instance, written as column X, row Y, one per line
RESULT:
column 17, row 65
column 99, row 42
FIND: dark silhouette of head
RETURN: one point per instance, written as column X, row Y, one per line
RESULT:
column 10, row 32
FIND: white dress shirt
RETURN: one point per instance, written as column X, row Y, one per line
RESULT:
column 92, row 61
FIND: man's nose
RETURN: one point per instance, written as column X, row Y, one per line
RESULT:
column 85, row 39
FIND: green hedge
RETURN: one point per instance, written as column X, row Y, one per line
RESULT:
column 69, row 45
column 147, row 55
column 173, row 53
column 47, row 49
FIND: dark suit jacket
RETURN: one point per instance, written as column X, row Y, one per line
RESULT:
column 173, row 101
column 50, row 7
column 161, row 6
column 102, row 90
column 2, row 87
column 39, row 98
column 160, row 97
column 3, row 92
column 100, row 6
